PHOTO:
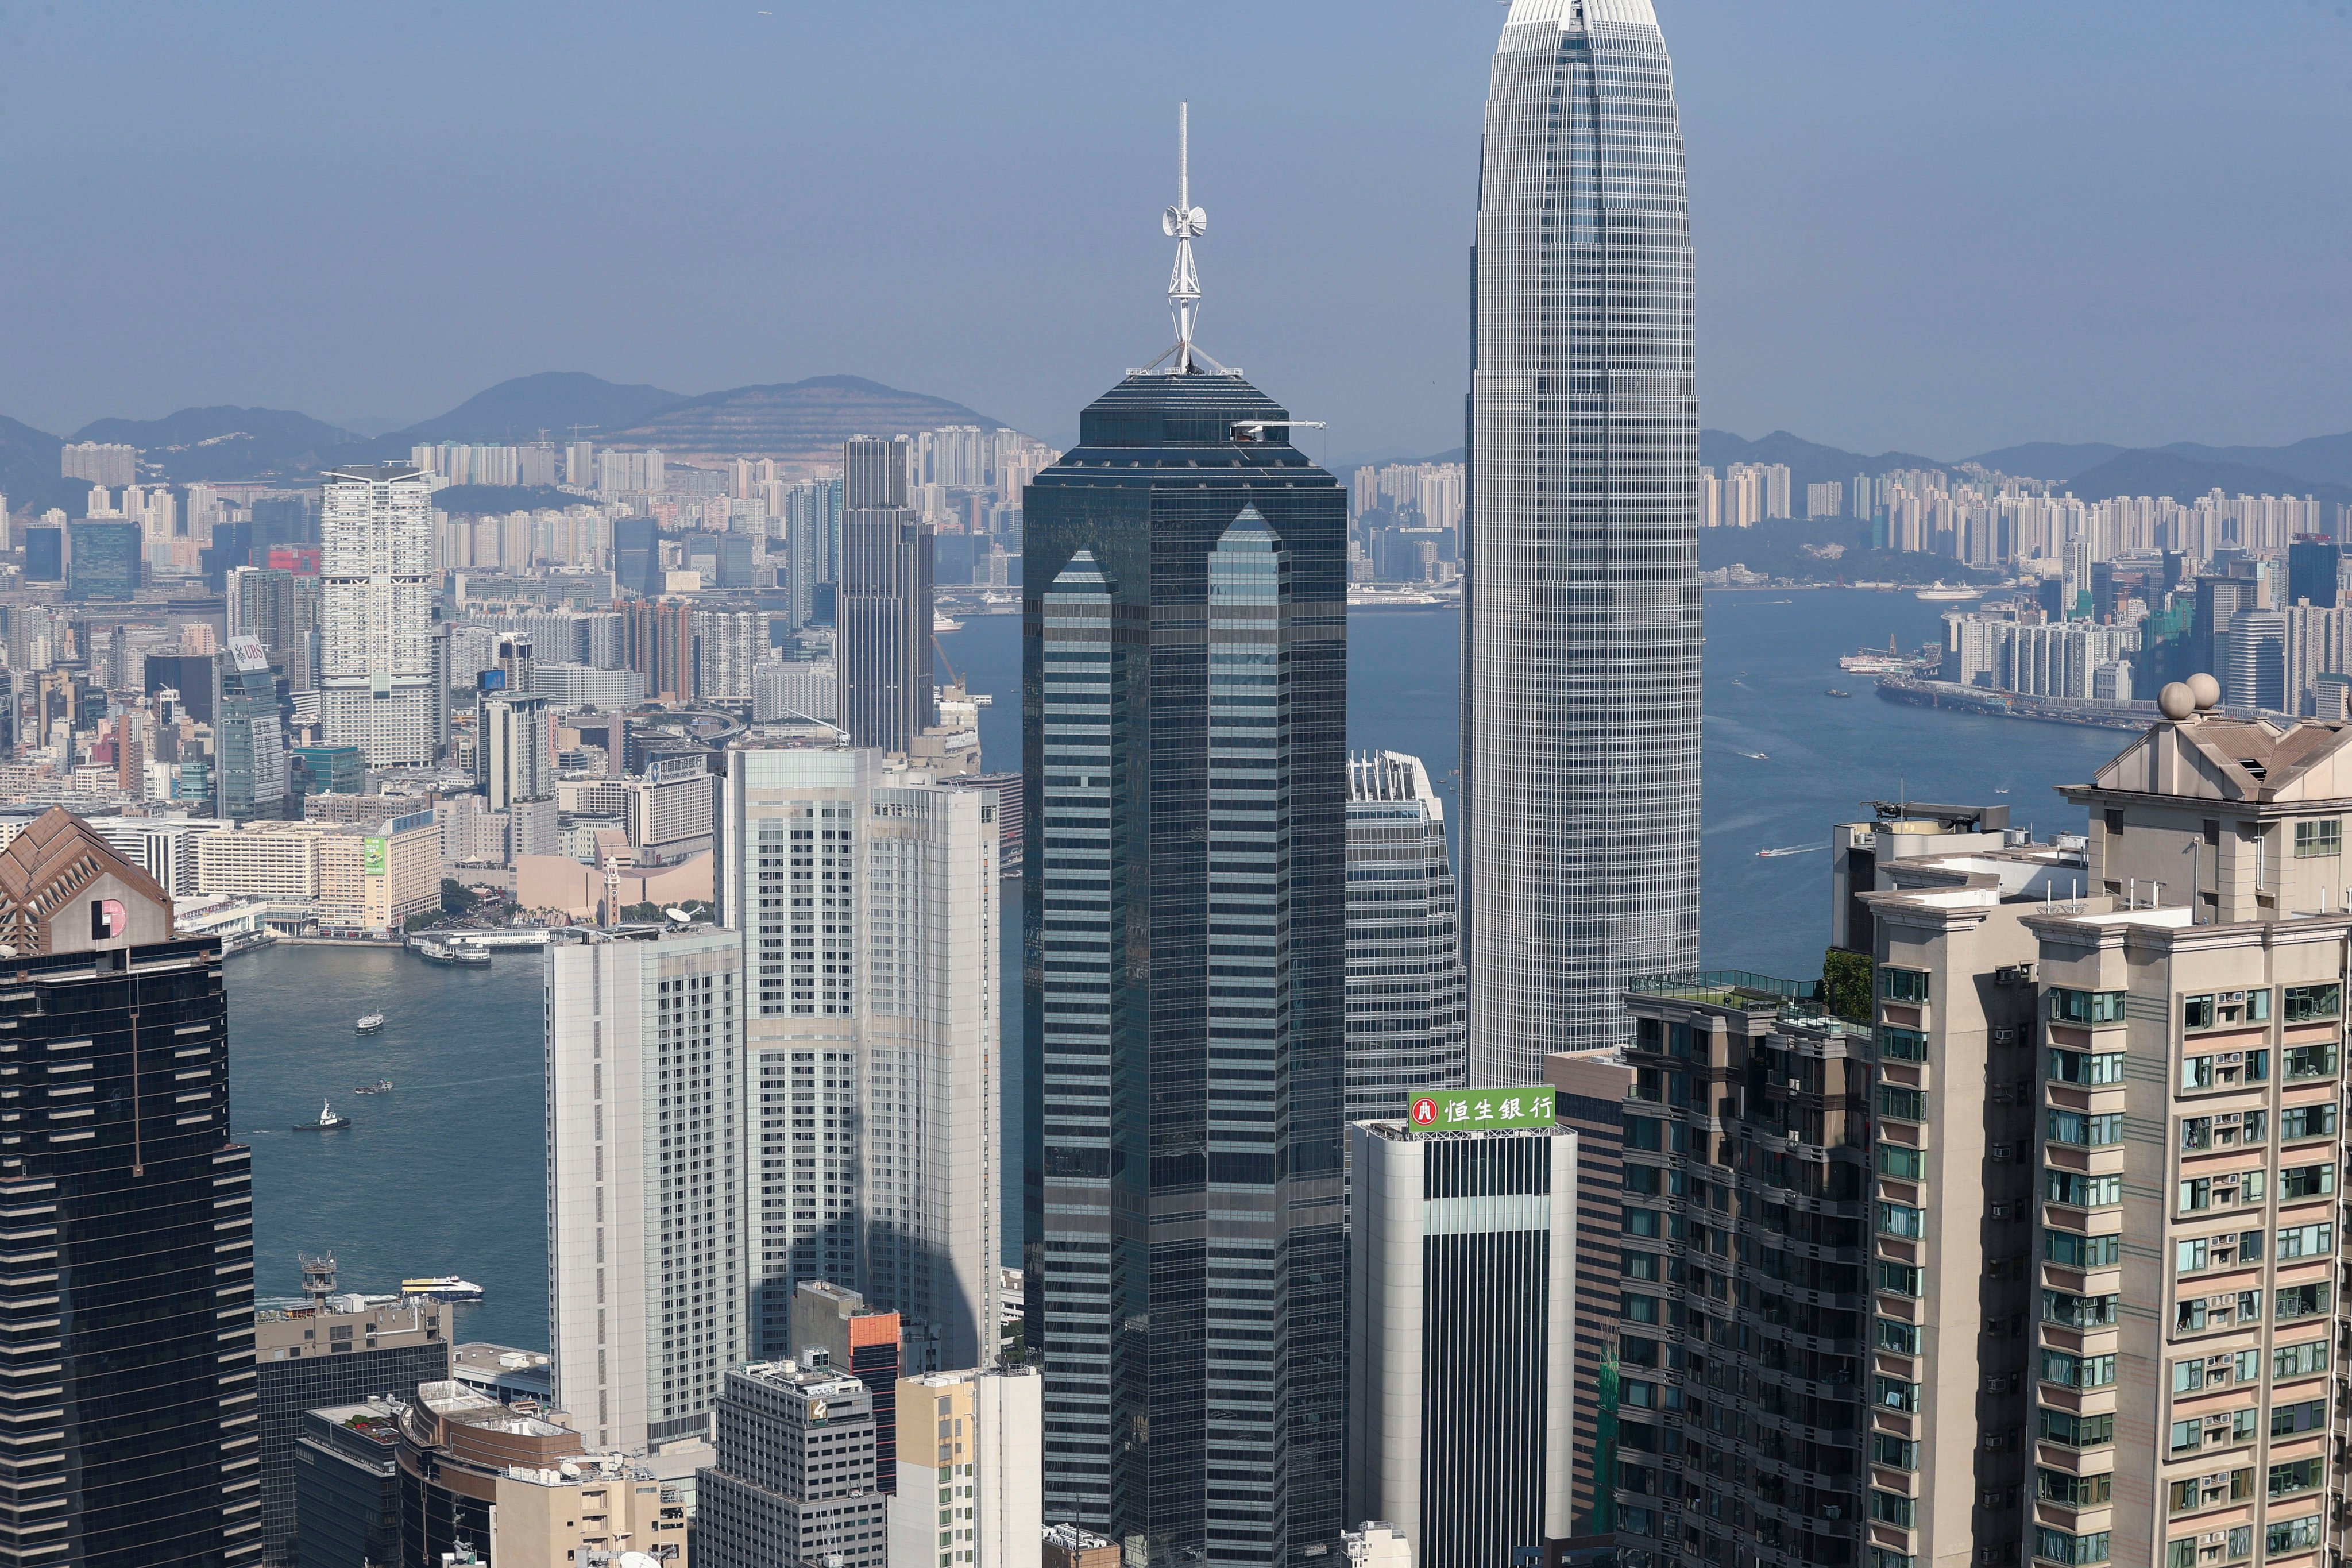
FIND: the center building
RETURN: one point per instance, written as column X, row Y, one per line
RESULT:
column 1184, row 680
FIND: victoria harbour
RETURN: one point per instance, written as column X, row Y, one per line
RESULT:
column 445, row 1174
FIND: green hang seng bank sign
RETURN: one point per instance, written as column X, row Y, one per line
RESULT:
column 1480, row 1109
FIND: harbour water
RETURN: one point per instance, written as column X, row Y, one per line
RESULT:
column 445, row 1174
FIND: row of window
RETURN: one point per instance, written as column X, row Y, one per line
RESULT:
column 2206, row 1010
column 2199, row 1432
column 2231, row 1129
column 2239, row 1308
column 2198, row 1374
column 2285, row 1538
column 2231, row 1250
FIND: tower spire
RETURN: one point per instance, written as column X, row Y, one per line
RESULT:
column 1182, row 223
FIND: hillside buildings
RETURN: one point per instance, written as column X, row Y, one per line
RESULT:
column 1579, row 731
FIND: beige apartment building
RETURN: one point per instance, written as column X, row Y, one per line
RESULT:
column 2106, row 1310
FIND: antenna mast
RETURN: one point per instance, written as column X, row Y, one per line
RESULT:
column 1185, row 223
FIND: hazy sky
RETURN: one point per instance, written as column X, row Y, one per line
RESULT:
column 1938, row 226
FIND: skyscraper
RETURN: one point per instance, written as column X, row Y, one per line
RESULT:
column 647, row 1255
column 1580, row 611
column 1405, row 950
column 126, row 1289
column 1462, row 1354
column 1184, row 665
column 866, row 900
column 104, row 560
column 248, row 736
column 884, row 611
column 376, row 648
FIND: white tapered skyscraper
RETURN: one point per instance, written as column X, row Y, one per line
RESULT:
column 1581, row 616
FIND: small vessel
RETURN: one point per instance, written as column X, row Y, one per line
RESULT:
column 329, row 1121
column 943, row 622
column 2003, row 789
column 1833, row 692
column 446, row 1287
column 1756, row 756
column 1785, row 850
column 370, row 1024
column 381, row 1086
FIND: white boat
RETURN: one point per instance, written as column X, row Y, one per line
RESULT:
column 943, row 622
column 329, row 1121
column 446, row 1287
column 1786, row 849
column 370, row 1025
column 1942, row 595
column 1756, row 756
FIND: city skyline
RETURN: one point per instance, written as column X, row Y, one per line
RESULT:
column 1846, row 298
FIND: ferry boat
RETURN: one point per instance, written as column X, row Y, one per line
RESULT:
column 1939, row 594
column 370, row 1024
column 445, row 1287
column 329, row 1121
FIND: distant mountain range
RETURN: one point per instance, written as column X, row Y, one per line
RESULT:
column 800, row 421
column 806, row 421
column 2094, row 470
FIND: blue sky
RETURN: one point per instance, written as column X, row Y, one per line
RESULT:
column 1937, row 227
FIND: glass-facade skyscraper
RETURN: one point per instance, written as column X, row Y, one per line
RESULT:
column 1184, row 677
column 884, row 610
column 1580, row 610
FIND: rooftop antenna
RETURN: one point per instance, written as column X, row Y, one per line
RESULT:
column 1185, row 223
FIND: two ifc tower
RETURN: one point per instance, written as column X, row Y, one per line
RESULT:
column 1184, row 676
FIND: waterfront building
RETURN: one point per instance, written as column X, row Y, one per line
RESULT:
column 376, row 583
column 1461, row 1345
column 650, row 1250
column 1743, row 1288
column 127, row 1301
column 866, row 899
column 248, row 735
column 2053, row 658
column 969, row 1493
column 1404, row 952
column 337, row 1351
column 523, row 1490
column 884, row 607
column 1185, row 775
column 1581, row 609
column 834, row 1327
column 794, row 1480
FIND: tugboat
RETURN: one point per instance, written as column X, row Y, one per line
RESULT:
column 370, row 1024
column 329, row 1121
column 381, row 1086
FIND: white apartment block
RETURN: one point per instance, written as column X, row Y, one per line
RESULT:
column 867, row 902
column 2108, row 1315
column 376, row 565
column 648, row 1248
column 971, row 1490
column 1824, row 500
column 728, row 644
column 2056, row 658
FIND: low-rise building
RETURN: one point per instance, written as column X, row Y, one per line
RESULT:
column 522, row 1488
